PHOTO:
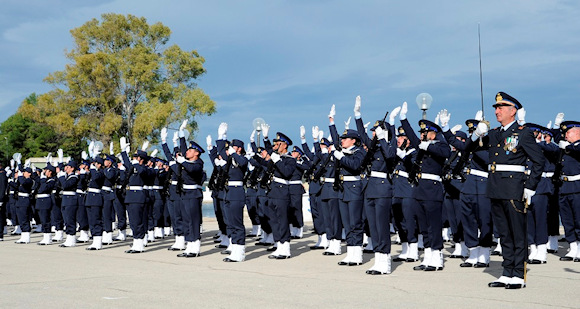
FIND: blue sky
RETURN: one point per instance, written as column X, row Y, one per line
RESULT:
column 289, row 61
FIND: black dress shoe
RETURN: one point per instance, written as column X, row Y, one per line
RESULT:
column 282, row 257
column 250, row 236
column 514, row 286
column 354, row 263
column 226, row 252
column 341, row 263
column 229, row 260
column 368, row 251
column 174, row 249
column 221, row 246
column 259, row 243
column 192, row 255
column 453, row 256
column 316, row 247
column 40, row 243
column 375, row 272
column 566, row 258
column 131, row 251
column 182, row 254
column 216, row 236
column 481, row 265
column 271, row 256
column 92, row 248
column 411, row 260
column 419, row 267
column 64, row 246
column 216, row 241
column 295, row 237
column 496, row 284
column 399, row 259
column 575, row 260
column 271, row 249
column 552, row 251
column 495, row 253
column 433, row 268
column 534, row 261
column 466, row 264
column 329, row 253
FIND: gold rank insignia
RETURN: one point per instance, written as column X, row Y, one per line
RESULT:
column 470, row 124
column 498, row 97
column 423, row 125
column 564, row 127
column 401, row 130
column 377, row 123
column 345, row 131
column 277, row 136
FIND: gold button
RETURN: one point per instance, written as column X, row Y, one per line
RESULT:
column 496, row 153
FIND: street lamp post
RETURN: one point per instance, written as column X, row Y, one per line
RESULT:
column 424, row 101
column 257, row 124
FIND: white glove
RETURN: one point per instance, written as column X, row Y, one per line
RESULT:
column 366, row 125
column 444, row 117
column 265, row 130
column 84, row 155
column 60, row 154
column 180, row 159
column 380, row 133
column 347, row 124
column 302, row 133
column 549, row 125
column 329, row 138
column 332, row 112
column 17, row 157
column 521, row 116
column 154, row 152
column 175, row 138
column 8, row 171
column 223, row 130
column 481, row 129
column 111, row 150
column 123, row 143
column 315, row 133
column 164, row 135
column 219, row 162
column 83, row 171
column 528, row 195
column 558, row 120
column 401, row 153
column 563, row 144
column 275, row 157
column 182, row 128
column 11, row 163
column 437, row 119
column 403, row 112
column 456, row 128
column 338, row 155
column 320, row 135
column 252, row 136
column 479, row 116
column 424, row 145
column 48, row 158
column 249, row 152
column 231, row 150
column 93, row 167
column 91, row 149
column 394, row 114
column 357, row 104
column 61, row 174
column 209, row 142
column 145, row 145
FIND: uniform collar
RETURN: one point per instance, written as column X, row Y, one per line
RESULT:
column 506, row 127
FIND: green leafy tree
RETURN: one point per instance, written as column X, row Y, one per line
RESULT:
column 21, row 134
column 123, row 80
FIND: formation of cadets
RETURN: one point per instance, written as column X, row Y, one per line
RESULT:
column 502, row 191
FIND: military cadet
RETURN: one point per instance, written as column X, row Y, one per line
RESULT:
column 263, row 211
column 428, row 191
column 119, row 202
column 319, row 213
column 280, row 166
column 12, row 196
column 45, row 201
column 149, row 181
column 508, row 186
column 218, row 194
column 538, row 213
column 158, row 196
column 68, row 180
column 94, row 202
column 476, row 206
column 4, row 174
column 348, row 182
column 56, row 215
column 252, row 194
column 81, row 190
column 295, row 215
column 174, row 200
column 235, row 196
column 378, row 192
column 554, row 135
column 110, row 174
column 570, row 189
column 135, row 197
column 191, row 166
column 23, row 203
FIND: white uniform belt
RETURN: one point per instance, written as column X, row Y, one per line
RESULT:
column 402, row 173
column 119, row 186
column 570, row 178
column 295, row 182
column 69, row 193
column 350, row 178
column 146, row 187
column 235, row 183
column 506, row 168
column 547, row 174
column 174, row 182
column 280, row 180
column 329, row 180
column 477, row 173
column 135, row 188
column 42, row 195
column 157, row 187
column 23, row 194
column 429, row 176
column 11, row 192
column 80, row 191
column 108, row 189
column 94, row 190
column 379, row 174
column 191, row 187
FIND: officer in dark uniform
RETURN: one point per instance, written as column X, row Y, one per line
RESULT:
column 429, row 189
column 45, row 201
column 508, row 186
column 82, row 217
column 110, row 173
column 68, row 180
column 3, row 198
column 295, row 214
column 173, row 199
column 94, row 203
column 23, row 203
column 570, row 189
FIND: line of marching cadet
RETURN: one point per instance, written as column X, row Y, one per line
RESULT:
column 430, row 187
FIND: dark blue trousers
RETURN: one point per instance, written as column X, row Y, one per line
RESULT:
column 378, row 212
column 235, row 225
column 351, row 213
column 538, row 220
